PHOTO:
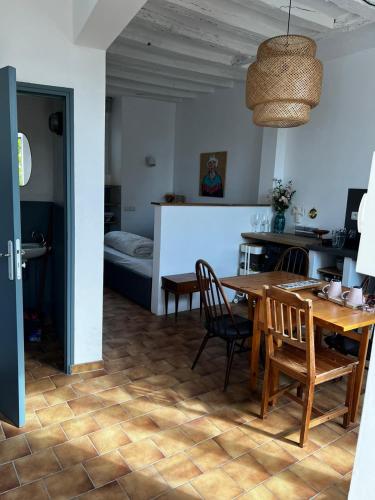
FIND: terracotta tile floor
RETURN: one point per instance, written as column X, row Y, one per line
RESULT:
column 149, row 427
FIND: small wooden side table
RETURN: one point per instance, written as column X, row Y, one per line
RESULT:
column 179, row 284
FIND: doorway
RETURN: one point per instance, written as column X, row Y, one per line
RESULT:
column 45, row 119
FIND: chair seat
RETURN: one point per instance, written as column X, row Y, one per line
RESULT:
column 328, row 364
column 223, row 327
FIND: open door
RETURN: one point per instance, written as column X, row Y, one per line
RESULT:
column 12, row 364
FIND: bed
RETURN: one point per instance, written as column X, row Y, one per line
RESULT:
column 128, row 266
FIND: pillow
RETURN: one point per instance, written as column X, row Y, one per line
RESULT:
column 131, row 244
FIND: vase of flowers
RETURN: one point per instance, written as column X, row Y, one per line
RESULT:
column 281, row 196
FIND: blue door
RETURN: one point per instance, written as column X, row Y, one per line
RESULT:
column 12, row 364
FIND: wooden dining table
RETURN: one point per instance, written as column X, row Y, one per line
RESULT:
column 327, row 315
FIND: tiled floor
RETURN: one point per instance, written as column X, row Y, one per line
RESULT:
column 149, row 427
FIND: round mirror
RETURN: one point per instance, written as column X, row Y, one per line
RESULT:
column 24, row 159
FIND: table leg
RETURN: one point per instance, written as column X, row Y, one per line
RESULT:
column 363, row 346
column 166, row 298
column 176, row 300
column 318, row 336
column 255, row 346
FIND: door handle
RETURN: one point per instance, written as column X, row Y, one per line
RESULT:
column 10, row 257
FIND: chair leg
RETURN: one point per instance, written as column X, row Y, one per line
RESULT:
column 232, row 345
column 201, row 347
column 306, row 414
column 349, row 397
column 266, row 389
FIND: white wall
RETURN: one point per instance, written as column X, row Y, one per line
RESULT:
column 148, row 128
column 184, row 234
column 363, row 480
column 333, row 151
column 218, row 122
column 35, row 37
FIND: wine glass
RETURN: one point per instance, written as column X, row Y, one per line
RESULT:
column 264, row 224
column 255, row 221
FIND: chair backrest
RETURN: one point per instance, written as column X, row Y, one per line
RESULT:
column 218, row 312
column 289, row 319
column 294, row 260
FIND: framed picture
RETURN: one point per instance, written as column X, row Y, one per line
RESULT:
column 212, row 174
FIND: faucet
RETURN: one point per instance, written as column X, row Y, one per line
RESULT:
column 38, row 237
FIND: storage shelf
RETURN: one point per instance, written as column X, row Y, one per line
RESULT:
column 333, row 271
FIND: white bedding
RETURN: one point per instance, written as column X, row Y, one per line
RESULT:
column 142, row 266
column 129, row 243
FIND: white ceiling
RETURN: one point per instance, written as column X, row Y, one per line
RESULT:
column 178, row 49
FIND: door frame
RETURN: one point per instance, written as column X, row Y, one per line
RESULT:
column 68, row 95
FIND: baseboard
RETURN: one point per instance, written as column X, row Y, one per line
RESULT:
column 87, row 367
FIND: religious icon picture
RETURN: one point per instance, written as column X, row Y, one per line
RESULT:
column 212, row 174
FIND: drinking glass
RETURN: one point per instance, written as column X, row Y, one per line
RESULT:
column 338, row 238
column 255, row 221
column 264, row 224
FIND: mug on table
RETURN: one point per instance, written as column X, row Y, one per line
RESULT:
column 354, row 296
column 333, row 290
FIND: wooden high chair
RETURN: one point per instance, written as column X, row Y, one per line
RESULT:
column 290, row 350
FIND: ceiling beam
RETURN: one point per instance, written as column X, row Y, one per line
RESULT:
column 302, row 14
column 118, row 50
column 116, row 92
column 162, row 41
column 357, row 7
column 96, row 23
column 200, row 32
column 160, row 81
column 154, row 69
column 249, row 22
column 152, row 89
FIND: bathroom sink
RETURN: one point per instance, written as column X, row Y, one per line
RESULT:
column 32, row 251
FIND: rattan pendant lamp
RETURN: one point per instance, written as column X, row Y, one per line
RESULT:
column 285, row 81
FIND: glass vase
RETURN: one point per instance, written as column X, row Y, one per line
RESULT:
column 279, row 223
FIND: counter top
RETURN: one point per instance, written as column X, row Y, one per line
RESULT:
column 291, row 239
column 184, row 204
column 339, row 252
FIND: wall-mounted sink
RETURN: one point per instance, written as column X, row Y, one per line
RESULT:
column 32, row 251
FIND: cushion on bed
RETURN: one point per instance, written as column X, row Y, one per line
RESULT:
column 129, row 243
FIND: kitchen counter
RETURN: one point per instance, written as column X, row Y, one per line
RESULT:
column 288, row 239
column 338, row 252
column 291, row 239
column 186, row 204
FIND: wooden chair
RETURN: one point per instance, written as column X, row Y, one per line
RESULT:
column 220, row 320
column 289, row 325
column 294, row 260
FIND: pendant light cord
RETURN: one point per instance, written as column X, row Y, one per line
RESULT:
column 369, row 3
column 290, row 8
